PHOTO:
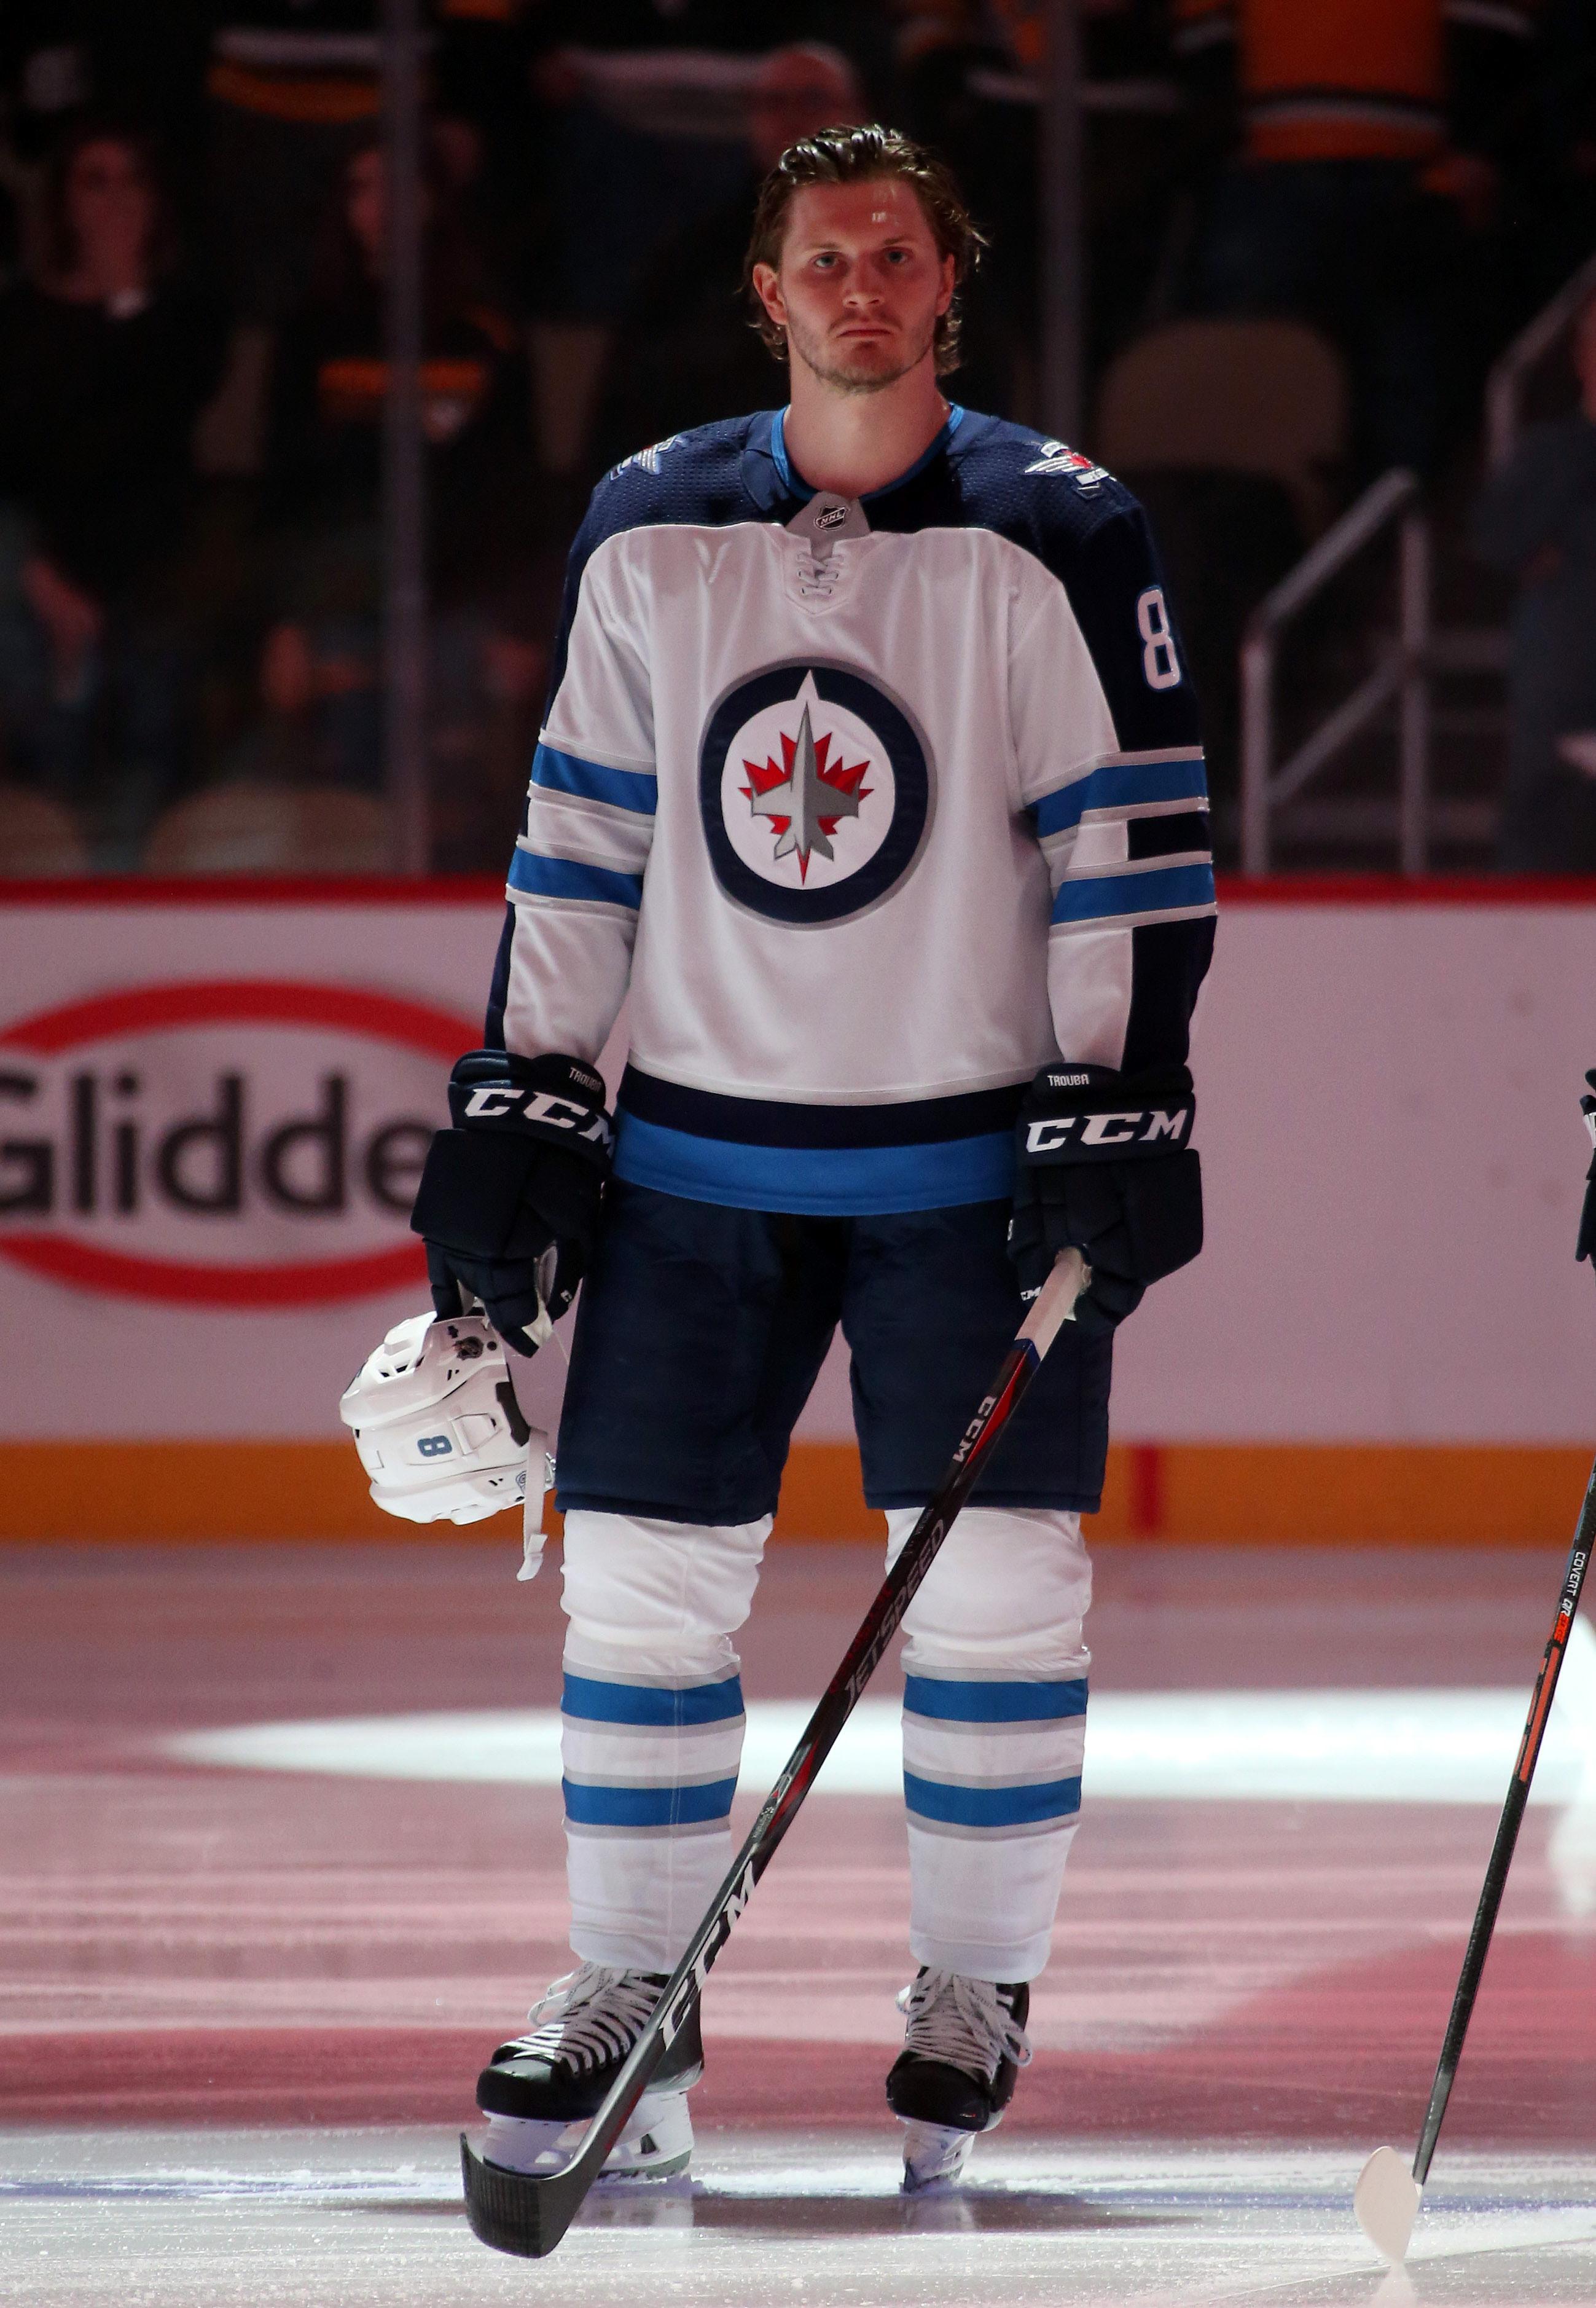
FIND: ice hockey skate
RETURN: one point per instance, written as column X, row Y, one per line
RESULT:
column 541, row 2090
column 963, row 2047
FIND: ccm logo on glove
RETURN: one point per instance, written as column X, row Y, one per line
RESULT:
column 1113, row 1133
column 509, row 1201
column 501, row 1100
column 1105, row 1168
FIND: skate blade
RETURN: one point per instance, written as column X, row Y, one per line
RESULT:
column 934, row 2154
column 656, row 2144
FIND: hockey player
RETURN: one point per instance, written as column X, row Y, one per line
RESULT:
column 871, row 773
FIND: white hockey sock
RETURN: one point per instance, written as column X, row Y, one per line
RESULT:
column 651, row 1727
column 994, row 1732
column 650, row 1760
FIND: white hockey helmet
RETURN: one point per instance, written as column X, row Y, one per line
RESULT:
column 437, row 1424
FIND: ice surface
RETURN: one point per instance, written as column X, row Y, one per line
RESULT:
column 1260, row 1936
column 372, row 2219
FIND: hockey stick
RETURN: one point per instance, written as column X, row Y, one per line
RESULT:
column 528, row 2213
column 1387, row 2195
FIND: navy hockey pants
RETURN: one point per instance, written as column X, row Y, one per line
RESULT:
column 701, row 1331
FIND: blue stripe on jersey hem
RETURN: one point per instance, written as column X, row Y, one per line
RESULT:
column 563, row 877
column 992, row 1806
column 1105, row 896
column 993, row 1702
column 819, row 1182
column 647, row 1806
column 1119, row 784
column 591, row 1701
column 630, row 789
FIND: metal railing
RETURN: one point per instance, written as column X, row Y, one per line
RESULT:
column 1504, row 386
column 1402, row 673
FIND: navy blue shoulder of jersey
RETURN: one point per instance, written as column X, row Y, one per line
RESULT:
column 698, row 477
column 1092, row 533
column 711, row 476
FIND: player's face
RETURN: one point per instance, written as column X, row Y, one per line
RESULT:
column 861, row 283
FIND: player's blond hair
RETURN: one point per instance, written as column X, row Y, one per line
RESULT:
column 853, row 156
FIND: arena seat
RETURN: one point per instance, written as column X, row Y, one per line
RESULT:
column 38, row 836
column 248, row 826
column 1263, row 396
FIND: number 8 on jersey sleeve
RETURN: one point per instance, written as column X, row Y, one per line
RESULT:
column 1159, row 662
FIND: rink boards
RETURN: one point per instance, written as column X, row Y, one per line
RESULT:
column 213, row 1099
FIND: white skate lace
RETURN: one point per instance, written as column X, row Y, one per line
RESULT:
column 965, row 2023
column 594, row 2014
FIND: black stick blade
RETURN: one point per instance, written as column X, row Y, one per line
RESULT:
column 513, row 2212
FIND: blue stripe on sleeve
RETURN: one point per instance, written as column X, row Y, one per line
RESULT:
column 993, row 1702
column 1117, row 784
column 591, row 1701
column 1025, row 1806
column 1102, row 898
column 632, row 789
column 647, row 1806
column 563, row 877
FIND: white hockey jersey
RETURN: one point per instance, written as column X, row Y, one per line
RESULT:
column 872, row 814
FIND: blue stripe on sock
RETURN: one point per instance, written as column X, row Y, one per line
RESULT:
column 592, row 1701
column 993, row 1702
column 647, row 1806
column 992, row 1806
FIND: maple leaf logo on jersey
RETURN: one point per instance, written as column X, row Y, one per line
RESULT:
column 807, row 798
column 815, row 792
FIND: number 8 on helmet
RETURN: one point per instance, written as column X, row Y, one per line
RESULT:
column 437, row 1424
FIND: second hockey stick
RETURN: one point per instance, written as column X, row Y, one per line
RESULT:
column 527, row 2213
column 1387, row 2195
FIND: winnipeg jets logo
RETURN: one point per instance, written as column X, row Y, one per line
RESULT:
column 806, row 796
column 815, row 792
column 1058, row 458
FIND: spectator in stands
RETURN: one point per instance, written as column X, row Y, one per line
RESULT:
column 685, row 352
column 62, row 61
column 321, row 672
column 970, row 73
column 1364, row 164
column 294, row 90
column 105, row 357
column 1536, row 518
column 643, row 115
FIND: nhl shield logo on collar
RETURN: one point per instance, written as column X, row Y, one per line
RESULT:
column 815, row 788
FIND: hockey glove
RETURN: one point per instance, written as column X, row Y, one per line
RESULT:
column 1586, row 1246
column 1105, row 1168
column 509, row 1201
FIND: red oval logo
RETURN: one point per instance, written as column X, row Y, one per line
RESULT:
column 220, row 1148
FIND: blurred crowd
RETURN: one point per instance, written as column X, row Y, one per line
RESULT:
column 1310, row 225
